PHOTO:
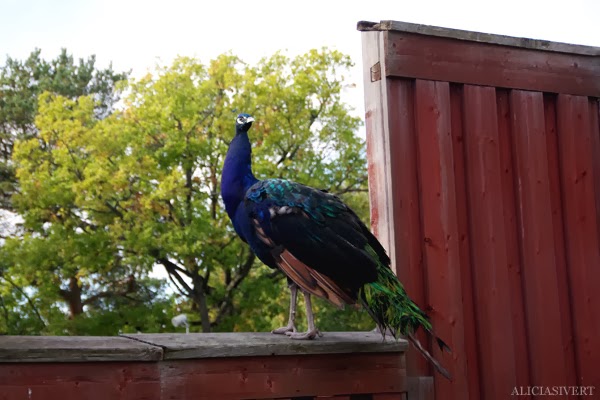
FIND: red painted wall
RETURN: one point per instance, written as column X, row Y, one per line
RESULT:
column 488, row 198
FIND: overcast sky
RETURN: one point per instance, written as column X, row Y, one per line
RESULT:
column 138, row 34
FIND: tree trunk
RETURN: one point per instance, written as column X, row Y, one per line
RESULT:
column 200, row 300
column 73, row 297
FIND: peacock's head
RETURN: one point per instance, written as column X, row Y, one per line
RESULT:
column 243, row 122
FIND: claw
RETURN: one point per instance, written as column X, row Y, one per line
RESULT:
column 309, row 335
column 284, row 330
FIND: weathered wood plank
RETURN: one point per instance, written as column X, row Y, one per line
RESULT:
column 75, row 348
column 412, row 55
column 578, row 145
column 567, row 350
column 408, row 239
column 514, row 267
column 420, row 388
column 378, row 147
column 444, row 230
column 283, row 376
column 469, row 360
column 76, row 381
column 539, row 259
column 471, row 36
column 210, row 345
column 226, row 367
column 489, row 240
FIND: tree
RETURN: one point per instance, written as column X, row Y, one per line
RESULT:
column 141, row 188
column 23, row 284
column 62, row 256
column 21, row 83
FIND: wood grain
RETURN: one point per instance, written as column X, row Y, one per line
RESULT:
column 472, row 36
column 540, row 263
column 469, row 362
column 201, row 366
column 378, row 148
column 577, row 120
column 410, row 55
column 489, row 247
column 489, row 147
column 76, row 381
column 444, row 234
column 210, row 345
column 420, row 388
column 408, row 240
column 74, row 348
column 283, row 376
column 514, row 267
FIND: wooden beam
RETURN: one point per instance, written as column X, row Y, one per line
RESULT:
column 411, row 55
column 341, row 365
column 74, row 348
column 283, row 376
column 378, row 146
column 80, row 380
column 471, row 36
column 250, row 344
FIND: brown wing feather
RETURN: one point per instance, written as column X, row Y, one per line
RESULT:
column 331, row 287
column 307, row 278
column 260, row 233
column 312, row 281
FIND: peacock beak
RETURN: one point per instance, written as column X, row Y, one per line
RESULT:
column 249, row 119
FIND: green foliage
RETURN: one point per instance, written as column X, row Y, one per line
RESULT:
column 105, row 200
column 44, row 261
column 22, row 82
column 139, row 312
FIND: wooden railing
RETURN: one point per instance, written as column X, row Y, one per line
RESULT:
column 340, row 365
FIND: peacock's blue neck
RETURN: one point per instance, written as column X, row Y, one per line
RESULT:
column 237, row 174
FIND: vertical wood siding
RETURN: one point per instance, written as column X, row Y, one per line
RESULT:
column 494, row 208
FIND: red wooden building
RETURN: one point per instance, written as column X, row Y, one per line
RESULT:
column 484, row 174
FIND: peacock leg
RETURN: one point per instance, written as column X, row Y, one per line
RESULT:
column 312, row 332
column 291, row 325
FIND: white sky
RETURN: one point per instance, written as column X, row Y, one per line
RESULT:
column 137, row 34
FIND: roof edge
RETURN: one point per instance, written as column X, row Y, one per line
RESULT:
column 472, row 36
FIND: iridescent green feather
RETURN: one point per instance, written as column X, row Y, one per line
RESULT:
column 389, row 304
column 282, row 192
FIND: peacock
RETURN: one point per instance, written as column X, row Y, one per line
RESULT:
column 320, row 244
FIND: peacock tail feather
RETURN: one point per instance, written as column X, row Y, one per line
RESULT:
column 389, row 305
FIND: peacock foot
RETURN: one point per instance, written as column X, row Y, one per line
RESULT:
column 284, row 330
column 309, row 335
